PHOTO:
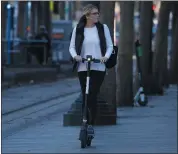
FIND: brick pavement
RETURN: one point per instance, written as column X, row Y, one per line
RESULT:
column 19, row 97
column 149, row 129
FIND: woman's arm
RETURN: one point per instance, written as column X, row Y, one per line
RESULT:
column 109, row 43
column 72, row 49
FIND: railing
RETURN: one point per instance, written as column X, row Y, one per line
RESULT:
column 21, row 52
column 60, row 51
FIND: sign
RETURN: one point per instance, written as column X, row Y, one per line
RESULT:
column 57, row 33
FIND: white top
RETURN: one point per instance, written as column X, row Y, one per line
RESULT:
column 91, row 46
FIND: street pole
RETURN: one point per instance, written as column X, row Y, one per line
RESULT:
column 66, row 10
column 8, row 36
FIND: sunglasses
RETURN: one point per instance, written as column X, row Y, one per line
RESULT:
column 95, row 13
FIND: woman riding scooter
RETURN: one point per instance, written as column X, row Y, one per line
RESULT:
column 88, row 39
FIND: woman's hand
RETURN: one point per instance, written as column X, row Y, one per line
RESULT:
column 104, row 59
column 78, row 58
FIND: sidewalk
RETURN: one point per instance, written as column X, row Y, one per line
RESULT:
column 21, row 97
column 151, row 129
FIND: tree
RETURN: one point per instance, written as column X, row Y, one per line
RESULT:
column 34, row 16
column 106, row 105
column 44, row 15
column 61, row 9
column 3, row 31
column 21, row 18
column 174, row 53
column 126, row 47
column 40, row 14
column 160, row 57
column 3, row 19
column 146, row 18
column 108, row 88
column 47, row 16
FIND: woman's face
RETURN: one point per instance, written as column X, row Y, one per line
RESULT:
column 93, row 16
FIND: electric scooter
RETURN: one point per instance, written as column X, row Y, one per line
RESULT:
column 86, row 132
column 140, row 97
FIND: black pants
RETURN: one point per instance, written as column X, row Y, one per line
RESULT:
column 96, row 79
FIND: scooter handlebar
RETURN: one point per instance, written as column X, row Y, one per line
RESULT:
column 92, row 60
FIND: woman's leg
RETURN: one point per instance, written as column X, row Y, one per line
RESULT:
column 96, row 80
column 82, row 79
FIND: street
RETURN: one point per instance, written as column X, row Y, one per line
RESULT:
column 39, row 129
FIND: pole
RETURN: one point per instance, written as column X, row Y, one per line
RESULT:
column 66, row 10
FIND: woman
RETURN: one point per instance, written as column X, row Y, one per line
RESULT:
column 90, row 37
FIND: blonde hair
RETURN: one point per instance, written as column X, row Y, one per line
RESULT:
column 87, row 9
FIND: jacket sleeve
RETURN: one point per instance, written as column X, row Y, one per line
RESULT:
column 109, row 44
column 72, row 49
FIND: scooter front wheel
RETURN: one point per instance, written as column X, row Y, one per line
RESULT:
column 83, row 138
column 89, row 141
column 143, row 103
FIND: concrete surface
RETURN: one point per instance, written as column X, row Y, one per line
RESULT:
column 151, row 129
column 21, row 97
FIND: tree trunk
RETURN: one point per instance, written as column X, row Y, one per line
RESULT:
column 40, row 14
column 3, row 19
column 108, row 88
column 106, row 111
column 44, row 15
column 126, row 47
column 47, row 15
column 146, row 18
column 174, row 54
column 160, row 58
column 62, row 10
column 172, row 71
column 21, row 19
column 3, row 34
column 34, row 16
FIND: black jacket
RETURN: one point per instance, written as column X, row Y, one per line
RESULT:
column 80, row 37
